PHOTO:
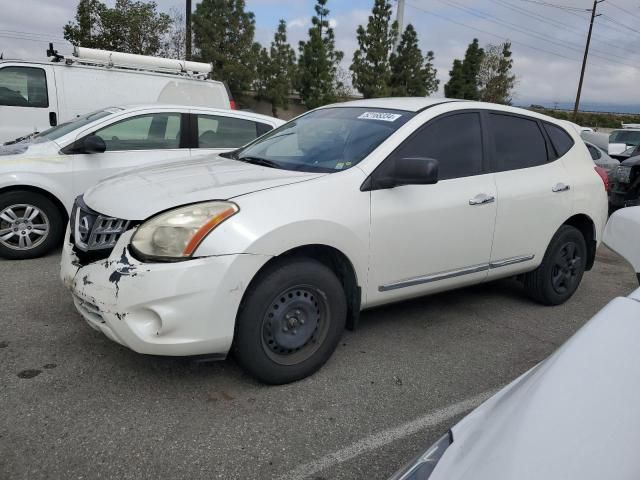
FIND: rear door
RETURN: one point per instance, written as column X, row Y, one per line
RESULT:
column 219, row 132
column 28, row 101
column 140, row 140
column 534, row 189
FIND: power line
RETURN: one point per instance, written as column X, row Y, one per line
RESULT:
column 516, row 42
column 618, row 23
column 536, row 35
column 559, row 24
column 628, row 12
column 560, row 7
column 31, row 34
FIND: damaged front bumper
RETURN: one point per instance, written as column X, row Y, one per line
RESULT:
column 181, row 308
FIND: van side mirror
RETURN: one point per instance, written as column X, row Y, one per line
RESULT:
column 92, row 144
column 622, row 233
column 395, row 172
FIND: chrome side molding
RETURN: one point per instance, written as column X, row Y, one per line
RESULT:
column 435, row 277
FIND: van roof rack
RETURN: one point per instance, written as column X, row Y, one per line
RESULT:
column 130, row 61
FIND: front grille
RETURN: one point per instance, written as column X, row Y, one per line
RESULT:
column 94, row 234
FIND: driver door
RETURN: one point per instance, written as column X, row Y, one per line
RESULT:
column 138, row 141
column 426, row 238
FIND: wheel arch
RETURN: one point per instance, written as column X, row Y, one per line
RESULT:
column 587, row 227
column 335, row 260
column 45, row 193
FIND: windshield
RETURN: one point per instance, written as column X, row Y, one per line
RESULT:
column 630, row 137
column 325, row 140
column 68, row 127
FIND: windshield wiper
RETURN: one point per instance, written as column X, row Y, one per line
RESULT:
column 260, row 161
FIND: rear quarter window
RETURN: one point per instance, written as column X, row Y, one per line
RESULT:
column 561, row 140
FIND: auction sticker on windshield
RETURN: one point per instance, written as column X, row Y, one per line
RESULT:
column 385, row 117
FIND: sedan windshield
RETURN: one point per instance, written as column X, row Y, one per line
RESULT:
column 630, row 137
column 326, row 140
column 68, row 127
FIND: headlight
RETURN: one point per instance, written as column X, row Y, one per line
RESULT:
column 422, row 467
column 177, row 233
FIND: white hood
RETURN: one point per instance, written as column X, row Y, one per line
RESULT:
column 138, row 194
column 574, row 416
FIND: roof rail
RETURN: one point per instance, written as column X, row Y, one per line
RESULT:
column 130, row 61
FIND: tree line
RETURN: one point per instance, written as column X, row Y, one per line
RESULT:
column 387, row 62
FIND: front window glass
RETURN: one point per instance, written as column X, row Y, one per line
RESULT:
column 68, row 127
column 630, row 137
column 326, row 140
column 156, row 131
column 23, row 87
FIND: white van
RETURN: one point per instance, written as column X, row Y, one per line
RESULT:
column 35, row 96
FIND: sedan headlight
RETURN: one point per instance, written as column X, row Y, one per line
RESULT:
column 422, row 466
column 175, row 234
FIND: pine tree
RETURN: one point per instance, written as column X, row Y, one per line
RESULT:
column 463, row 82
column 455, row 87
column 495, row 78
column 410, row 74
column 223, row 33
column 470, row 70
column 370, row 66
column 318, row 62
column 276, row 71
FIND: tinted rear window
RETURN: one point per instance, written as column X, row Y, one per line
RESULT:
column 518, row 142
column 561, row 140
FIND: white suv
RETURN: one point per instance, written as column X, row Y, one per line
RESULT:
column 272, row 249
column 41, row 176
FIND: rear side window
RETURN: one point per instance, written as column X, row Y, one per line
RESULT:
column 519, row 143
column 595, row 153
column 455, row 141
column 561, row 140
column 157, row 131
column 23, row 87
column 227, row 132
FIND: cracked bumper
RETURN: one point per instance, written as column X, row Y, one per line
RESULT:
column 182, row 308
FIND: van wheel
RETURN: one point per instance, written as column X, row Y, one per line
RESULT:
column 560, row 273
column 290, row 321
column 30, row 225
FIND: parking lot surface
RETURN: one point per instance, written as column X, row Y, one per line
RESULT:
column 75, row 405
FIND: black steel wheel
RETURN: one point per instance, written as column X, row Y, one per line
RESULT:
column 290, row 321
column 559, row 275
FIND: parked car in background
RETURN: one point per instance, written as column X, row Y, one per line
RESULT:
column 35, row 96
column 625, row 187
column 272, row 249
column 624, row 138
column 574, row 415
column 41, row 176
column 603, row 160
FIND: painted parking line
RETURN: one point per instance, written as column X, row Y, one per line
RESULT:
column 385, row 437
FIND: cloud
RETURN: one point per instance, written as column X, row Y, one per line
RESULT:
column 298, row 23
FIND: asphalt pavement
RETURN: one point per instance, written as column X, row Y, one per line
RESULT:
column 74, row 405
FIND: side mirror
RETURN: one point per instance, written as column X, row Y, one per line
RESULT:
column 395, row 172
column 622, row 233
column 92, row 144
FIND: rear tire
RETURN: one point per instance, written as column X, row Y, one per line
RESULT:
column 560, row 273
column 31, row 225
column 290, row 321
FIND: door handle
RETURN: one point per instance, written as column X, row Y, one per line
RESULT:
column 481, row 199
column 53, row 119
column 560, row 187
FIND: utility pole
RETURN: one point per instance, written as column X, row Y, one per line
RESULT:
column 400, row 20
column 584, row 60
column 187, row 32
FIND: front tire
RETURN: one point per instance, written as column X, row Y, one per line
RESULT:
column 31, row 225
column 290, row 321
column 560, row 273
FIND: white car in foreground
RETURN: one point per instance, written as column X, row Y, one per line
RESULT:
column 40, row 177
column 272, row 249
column 573, row 416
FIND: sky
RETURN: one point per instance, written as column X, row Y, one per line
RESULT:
column 547, row 41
